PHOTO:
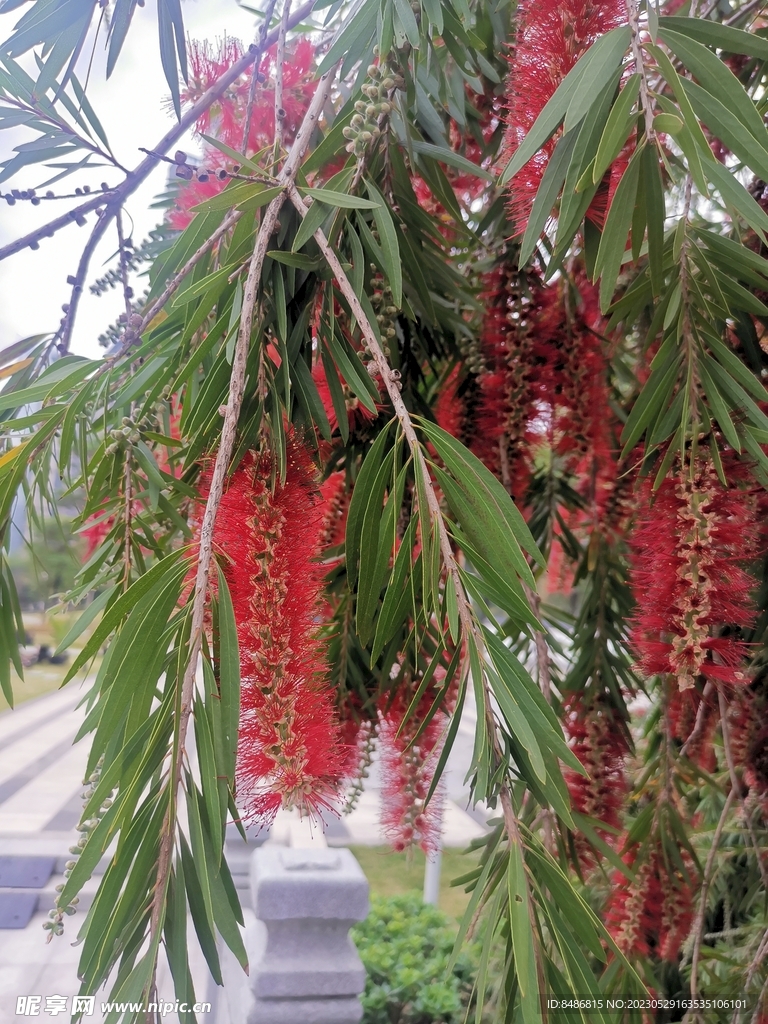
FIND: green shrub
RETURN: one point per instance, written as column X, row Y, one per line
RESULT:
column 406, row 946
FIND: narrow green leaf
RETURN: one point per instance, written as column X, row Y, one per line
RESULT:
column 607, row 53
column 390, row 250
column 359, row 502
column 340, row 199
column 548, row 191
column 617, row 128
column 614, row 239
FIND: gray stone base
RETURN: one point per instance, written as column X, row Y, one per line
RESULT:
column 306, row 1011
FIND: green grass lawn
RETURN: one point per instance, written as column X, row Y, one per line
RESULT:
column 43, row 678
column 391, row 874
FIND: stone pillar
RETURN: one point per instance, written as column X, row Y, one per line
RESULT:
column 304, row 968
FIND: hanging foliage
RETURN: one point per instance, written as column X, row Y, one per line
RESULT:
column 445, row 397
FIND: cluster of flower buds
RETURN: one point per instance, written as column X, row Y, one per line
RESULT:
column 129, row 432
column 55, row 923
column 365, row 747
column 31, row 196
column 132, row 257
column 188, row 171
column 370, row 112
column 123, row 330
column 386, row 310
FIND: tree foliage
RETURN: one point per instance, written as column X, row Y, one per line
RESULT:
column 466, row 304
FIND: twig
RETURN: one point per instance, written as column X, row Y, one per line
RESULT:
column 260, row 47
column 151, row 312
column 698, row 926
column 135, row 177
column 633, row 14
column 701, row 720
column 754, row 5
column 758, row 958
column 280, row 60
column 123, row 264
column 65, row 128
column 223, row 457
column 63, row 336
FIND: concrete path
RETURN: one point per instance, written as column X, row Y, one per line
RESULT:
column 41, row 776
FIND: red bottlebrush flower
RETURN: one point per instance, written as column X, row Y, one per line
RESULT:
column 507, row 394
column 449, row 408
column 408, row 768
column 289, row 752
column 336, row 499
column 225, row 118
column 551, row 36
column 357, row 413
column 687, row 581
column 653, row 914
column 598, row 740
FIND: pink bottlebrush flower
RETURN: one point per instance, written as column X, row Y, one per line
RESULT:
column 408, row 767
column 290, row 752
column 687, row 578
column 551, row 36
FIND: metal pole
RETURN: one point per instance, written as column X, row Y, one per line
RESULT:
column 432, row 877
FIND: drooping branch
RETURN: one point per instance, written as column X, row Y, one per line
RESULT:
column 223, row 457
column 469, row 626
column 63, row 336
column 142, row 171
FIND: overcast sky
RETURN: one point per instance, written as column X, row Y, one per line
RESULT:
column 133, row 108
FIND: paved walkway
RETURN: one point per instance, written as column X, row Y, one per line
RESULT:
column 41, row 776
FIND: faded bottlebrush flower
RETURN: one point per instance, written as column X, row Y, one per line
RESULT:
column 551, row 36
column 408, row 767
column 545, row 382
column 690, row 588
column 598, row 738
column 653, row 914
column 289, row 753
column 748, row 734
